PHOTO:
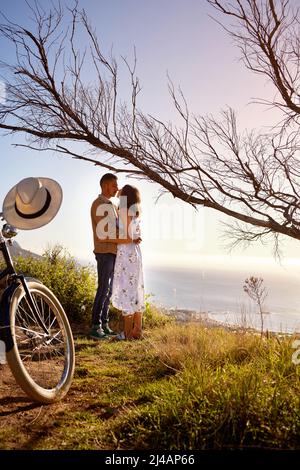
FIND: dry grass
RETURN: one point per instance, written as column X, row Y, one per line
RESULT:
column 188, row 386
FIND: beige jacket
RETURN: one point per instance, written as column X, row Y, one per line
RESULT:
column 105, row 225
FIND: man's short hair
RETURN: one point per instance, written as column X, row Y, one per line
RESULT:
column 107, row 177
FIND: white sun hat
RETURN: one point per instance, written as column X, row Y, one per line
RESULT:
column 32, row 203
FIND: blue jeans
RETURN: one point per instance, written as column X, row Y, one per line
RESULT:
column 105, row 268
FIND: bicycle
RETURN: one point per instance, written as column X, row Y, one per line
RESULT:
column 36, row 332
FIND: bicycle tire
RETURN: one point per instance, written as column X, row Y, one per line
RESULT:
column 42, row 364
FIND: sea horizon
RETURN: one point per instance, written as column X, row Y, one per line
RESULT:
column 217, row 291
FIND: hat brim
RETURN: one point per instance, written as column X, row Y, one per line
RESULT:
column 11, row 216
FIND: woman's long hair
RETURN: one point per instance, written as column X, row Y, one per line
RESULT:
column 130, row 199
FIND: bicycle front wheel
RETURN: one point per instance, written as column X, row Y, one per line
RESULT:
column 42, row 360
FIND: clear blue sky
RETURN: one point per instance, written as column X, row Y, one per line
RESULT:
column 177, row 37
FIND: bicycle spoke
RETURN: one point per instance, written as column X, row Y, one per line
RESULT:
column 25, row 313
column 42, row 354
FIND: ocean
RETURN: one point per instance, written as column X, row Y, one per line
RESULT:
column 218, row 292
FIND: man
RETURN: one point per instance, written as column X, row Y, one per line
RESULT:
column 106, row 238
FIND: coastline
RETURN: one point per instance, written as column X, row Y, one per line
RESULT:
column 183, row 315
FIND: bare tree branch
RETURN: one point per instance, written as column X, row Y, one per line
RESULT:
column 267, row 34
column 253, row 178
column 65, row 151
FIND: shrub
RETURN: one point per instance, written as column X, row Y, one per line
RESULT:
column 74, row 285
column 154, row 316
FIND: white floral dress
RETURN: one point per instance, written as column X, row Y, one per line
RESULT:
column 128, row 281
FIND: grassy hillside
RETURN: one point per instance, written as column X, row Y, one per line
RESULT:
column 185, row 386
column 182, row 387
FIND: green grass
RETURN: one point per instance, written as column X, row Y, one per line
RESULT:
column 182, row 387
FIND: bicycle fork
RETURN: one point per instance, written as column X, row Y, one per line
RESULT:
column 32, row 304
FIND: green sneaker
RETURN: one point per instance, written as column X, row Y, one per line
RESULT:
column 97, row 334
column 108, row 331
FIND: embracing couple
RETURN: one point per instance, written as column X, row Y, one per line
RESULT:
column 116, row 232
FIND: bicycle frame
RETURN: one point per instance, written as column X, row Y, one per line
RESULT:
column 38, row 339
column 9, row 270
column 14, row 277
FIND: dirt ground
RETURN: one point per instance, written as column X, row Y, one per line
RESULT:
column 96, row 397
column 18, row 412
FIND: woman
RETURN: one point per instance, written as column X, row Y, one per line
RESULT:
column 128, row 282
